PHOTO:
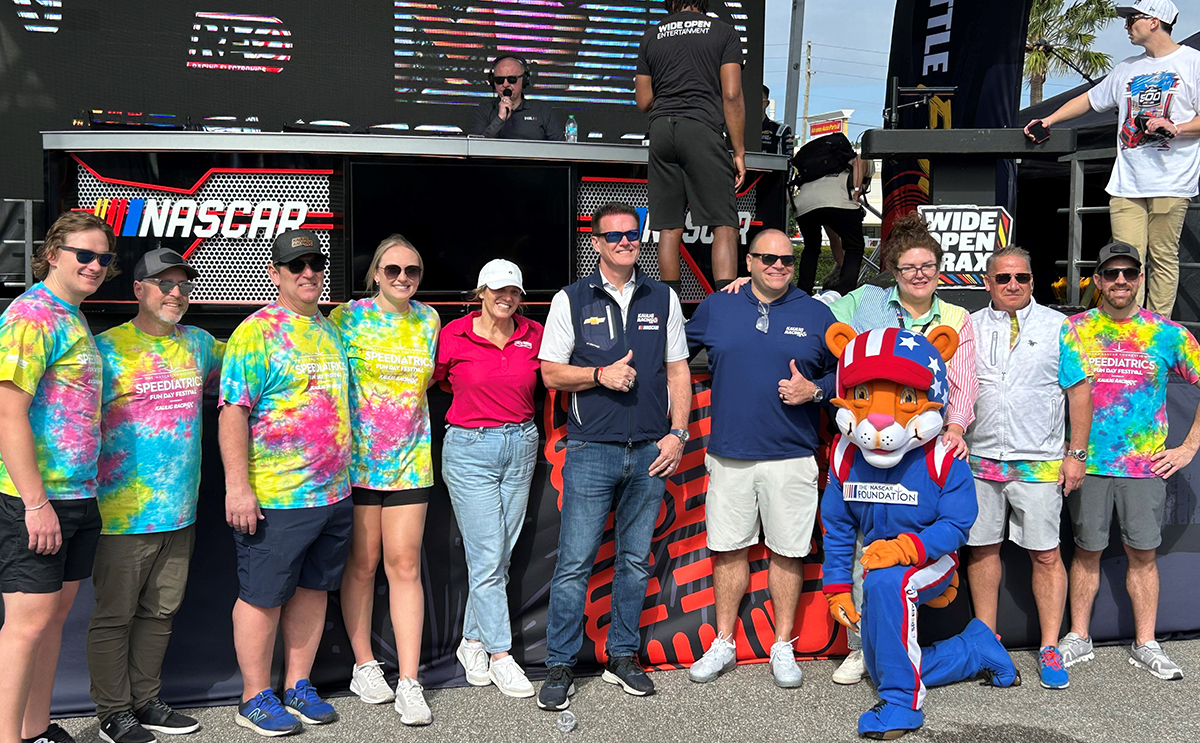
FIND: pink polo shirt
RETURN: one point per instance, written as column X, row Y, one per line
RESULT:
column 491, row 386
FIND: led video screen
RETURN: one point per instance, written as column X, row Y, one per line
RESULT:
column 412, row 66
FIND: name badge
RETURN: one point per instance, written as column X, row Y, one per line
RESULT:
column 878, row 492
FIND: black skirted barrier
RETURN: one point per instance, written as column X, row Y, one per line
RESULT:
column 201, row 668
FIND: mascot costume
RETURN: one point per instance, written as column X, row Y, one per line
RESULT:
column 891, row 478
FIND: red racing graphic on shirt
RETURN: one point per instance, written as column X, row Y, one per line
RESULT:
column 1149, row 97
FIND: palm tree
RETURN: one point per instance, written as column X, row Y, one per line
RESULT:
column 1070, row 31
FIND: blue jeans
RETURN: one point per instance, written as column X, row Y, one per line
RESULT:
column 595, row 478
column 488, row 471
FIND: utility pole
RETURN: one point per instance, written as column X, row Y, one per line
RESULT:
column 793, row 69
column 807, row 85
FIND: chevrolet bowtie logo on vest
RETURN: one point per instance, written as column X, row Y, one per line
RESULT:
column 593, row 320
column 191, row 219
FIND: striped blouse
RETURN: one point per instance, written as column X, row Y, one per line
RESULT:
column 869, row 307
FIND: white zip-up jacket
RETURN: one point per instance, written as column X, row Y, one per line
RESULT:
column 1020, row 413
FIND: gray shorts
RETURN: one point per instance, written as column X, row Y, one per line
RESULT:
column 1033, row 509
column 777, row 496
column 1139, row 503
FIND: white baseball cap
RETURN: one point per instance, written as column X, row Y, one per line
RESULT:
column 499, row 273
column 1163, row 10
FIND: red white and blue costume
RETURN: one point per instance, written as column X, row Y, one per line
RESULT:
column 925, row 494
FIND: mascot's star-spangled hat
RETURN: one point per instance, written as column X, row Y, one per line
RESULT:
column 898, row 355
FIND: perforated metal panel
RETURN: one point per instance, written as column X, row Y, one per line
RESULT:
column 593, row 194
column 232, row 269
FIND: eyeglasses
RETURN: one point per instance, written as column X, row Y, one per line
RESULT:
column 296, row 265
column 1130, row 20
column 1129, row 272
column 763, row 323
column 166, row 286
column 769, row 259
column 614, row 237
column 511, row 79
column 391, row 272
column 926, row 270
column 87, row 256
column 1002, row 279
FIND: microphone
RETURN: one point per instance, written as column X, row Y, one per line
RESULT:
column 506, row 93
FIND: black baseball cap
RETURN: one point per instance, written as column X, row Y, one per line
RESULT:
column 158, row 260
column 293, row 244
column 1117, row 249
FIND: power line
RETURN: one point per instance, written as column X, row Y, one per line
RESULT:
column 847, row 100
column 851, row 61
column 849, row 48
column 847, row 74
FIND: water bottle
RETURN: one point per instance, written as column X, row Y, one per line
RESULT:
column 566, row 718
column 572, row 129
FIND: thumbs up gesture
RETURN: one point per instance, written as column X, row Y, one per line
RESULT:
column 796, row 390
column 620, row 375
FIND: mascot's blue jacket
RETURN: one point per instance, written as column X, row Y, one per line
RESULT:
column 929, row 495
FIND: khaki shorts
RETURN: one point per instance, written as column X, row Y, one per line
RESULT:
column 1139, row 503
column 779, row 496
column 1033, row 509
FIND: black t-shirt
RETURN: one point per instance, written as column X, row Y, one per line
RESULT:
column 530, row 120
column 683, row 55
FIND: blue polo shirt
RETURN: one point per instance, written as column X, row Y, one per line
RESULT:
column 748, row 420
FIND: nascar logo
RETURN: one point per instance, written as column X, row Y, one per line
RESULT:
column 190, row 218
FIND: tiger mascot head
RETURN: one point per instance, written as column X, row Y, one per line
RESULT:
column 892, row 388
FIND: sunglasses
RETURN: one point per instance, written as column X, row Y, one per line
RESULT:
column 769, row 259
column 1129, row 272
column 511, row 79
column 1002, row 279
column 391, row 272
column 166, row 286
column 1130, row 20
column 87, row 256
column 763, row 323
column 296, row 265
column 614, row 237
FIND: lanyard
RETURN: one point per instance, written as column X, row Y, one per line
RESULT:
column 900, row 322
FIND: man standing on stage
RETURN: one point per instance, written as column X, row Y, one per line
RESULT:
column 1157, row 170
column 1129, row 353
column 156, row 372
column 285, row 441
column 1021, row 475
column 510, row 115
column 50, row 387
column 764, row 344
column 614, row 341
column 689, row 80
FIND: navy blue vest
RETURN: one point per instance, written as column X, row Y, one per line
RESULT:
column 600, row 414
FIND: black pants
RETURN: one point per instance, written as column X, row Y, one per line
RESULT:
column 847, row 223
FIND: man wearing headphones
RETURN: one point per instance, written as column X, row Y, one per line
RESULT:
column 511, row 115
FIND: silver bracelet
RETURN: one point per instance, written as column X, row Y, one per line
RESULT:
column 44, row 504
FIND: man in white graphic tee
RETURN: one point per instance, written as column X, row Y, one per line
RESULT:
column 1157, row 171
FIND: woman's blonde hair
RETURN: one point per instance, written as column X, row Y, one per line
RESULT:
column 388, row 243
column 66, row 225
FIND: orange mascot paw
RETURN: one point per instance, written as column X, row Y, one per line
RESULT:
column 841, row 606
column 947, row 596
column 885, row 553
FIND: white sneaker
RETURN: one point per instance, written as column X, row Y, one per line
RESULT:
column 474, row 660
column 410, row 703
column 720, row 657
column 509, row 678
column 852, row 670
column 370, row 685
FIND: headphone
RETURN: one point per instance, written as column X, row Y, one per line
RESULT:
column 526, row 77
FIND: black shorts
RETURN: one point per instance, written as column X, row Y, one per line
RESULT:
column 386, row 498
column 293, row 548
column 24, row 571
column 690, row 167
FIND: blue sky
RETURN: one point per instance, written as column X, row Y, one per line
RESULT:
column 850, row 55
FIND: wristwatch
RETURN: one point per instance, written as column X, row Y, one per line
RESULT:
column 819, row 395
column 1080, row 454
column 681, row 433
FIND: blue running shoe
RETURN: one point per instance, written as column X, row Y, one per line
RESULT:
column 304, row 703
column 889, row 721
column 265, row 715
column 1050, row 665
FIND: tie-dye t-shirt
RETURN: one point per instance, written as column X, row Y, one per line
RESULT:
column 1129, row 361
column 1024, row 470
column 47, row 350
column 290, row 371
column 391, row 362
column 149, row 472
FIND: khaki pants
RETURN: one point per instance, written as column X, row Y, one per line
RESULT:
column 1152, row 226
column 139, row 582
